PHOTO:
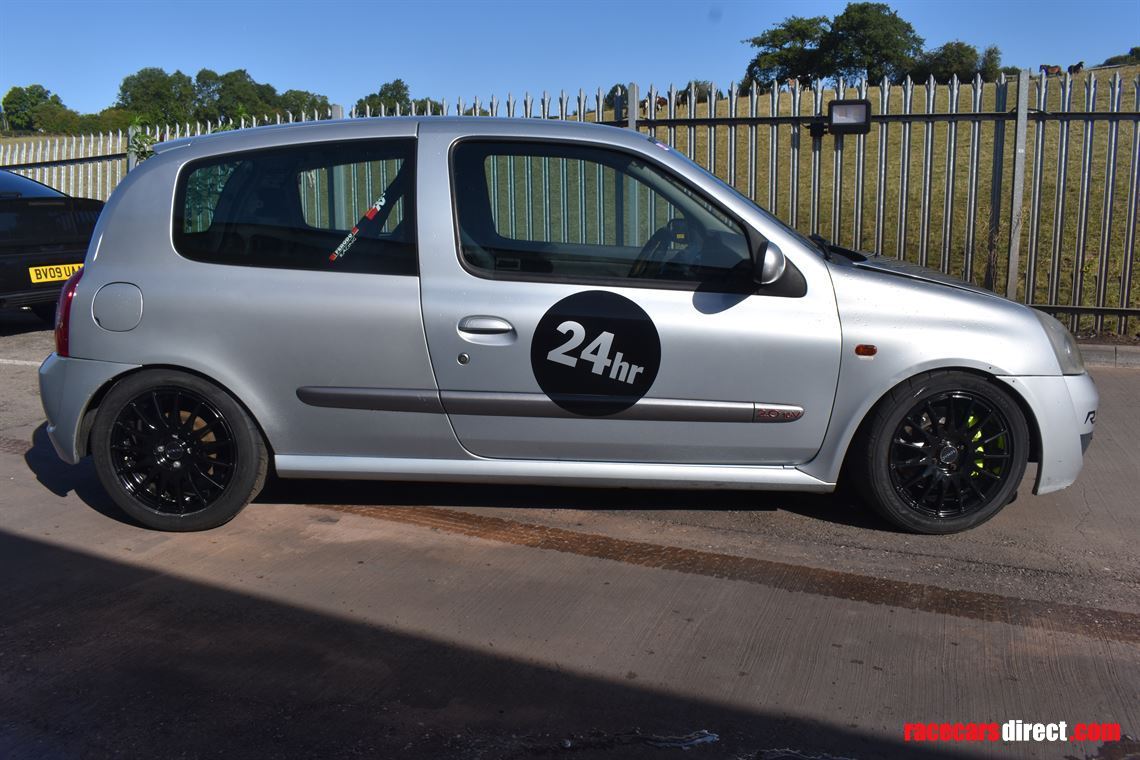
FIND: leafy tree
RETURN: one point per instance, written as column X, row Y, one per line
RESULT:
column 297, row 102
column 54, row 118
column 1011, row 71
column 108, row 120
column 422, row 105
column 1132, row 56
column 618, row 90
column 158, row 97
column 702, row 88
column 990, row 66
column 871, row 39
column 943, row 62
column 789, row 50
column 232, row 95
column 389, row 95
column 20, row 102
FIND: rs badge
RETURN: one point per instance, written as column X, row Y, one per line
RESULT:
column 595, row 353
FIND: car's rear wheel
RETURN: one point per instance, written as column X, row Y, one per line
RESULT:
column 176, row 452
column 943, row 452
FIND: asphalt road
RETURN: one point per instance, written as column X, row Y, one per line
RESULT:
column 335, row 620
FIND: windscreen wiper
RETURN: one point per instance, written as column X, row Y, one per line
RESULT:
column 823, row 243
column 829, row 247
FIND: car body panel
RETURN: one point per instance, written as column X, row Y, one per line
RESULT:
column 715, row 347
column 66, row 388
column 360, row 348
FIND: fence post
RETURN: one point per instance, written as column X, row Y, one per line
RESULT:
column 132, row 157
column 631, row 106
column 1018, row 192
column 336, row 111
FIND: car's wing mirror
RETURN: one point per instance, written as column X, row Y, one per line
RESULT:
column 768, row 262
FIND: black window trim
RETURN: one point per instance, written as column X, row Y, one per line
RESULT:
column 188, row 168
column 791, row 285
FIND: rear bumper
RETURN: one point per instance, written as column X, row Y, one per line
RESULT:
column 1065, row 410
column 66, row 389
column 29, row 297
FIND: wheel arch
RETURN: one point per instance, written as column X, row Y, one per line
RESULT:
column 87, row 421
column 991, row 379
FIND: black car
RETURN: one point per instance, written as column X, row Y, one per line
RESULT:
column 43, row 239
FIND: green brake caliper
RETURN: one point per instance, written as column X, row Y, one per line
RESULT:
column 980, row 451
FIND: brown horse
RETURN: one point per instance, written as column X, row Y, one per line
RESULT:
column 1051, row 71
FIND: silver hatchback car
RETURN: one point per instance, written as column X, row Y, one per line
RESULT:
column 511, row 300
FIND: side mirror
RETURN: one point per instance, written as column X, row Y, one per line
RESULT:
column 768, row 262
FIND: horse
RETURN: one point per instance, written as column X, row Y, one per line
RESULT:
column 1077, row 68
column 1051, row 71
column 659, row 103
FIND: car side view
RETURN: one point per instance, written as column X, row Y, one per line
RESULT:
column 494, row 300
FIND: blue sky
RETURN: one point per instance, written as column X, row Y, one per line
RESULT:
column 447, row 48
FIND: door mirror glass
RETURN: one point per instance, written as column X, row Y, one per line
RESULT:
column 768, row 262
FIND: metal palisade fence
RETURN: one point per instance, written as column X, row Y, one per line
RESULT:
column 1028, row 185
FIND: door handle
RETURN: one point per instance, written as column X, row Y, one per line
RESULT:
column 483, row 325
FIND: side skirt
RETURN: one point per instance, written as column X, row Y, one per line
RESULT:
column 555, row 473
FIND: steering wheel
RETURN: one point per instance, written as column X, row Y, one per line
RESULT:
column 657, row 246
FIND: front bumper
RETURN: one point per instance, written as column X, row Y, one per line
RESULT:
column 1064, row 407
column 66, row 389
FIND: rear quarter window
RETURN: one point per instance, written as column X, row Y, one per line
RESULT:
column 292, row 208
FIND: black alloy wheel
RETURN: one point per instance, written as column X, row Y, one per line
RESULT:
column 173, row 451
column 176, row 452
column 941, row 452
column 950, row 454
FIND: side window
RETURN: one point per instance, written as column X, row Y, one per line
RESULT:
column 344, row 207
column 567, row 212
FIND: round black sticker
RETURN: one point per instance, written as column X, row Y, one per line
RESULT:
column 595, row 353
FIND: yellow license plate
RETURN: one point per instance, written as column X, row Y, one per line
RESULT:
column 52, row 273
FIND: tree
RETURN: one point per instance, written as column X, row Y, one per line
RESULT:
column 789, row 50
column 54, row 118
column 389, row 96
column 943, row 62
column 108, row 120
column 158, row 97
column 702, row 88
column 618, row 90
column 1132, row 56
column 20, row 102
column 870, row 39
column 298, row 102
column 990, row 66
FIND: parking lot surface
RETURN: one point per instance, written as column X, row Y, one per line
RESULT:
column 375, row 619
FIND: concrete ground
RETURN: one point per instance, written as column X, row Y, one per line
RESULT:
column 428, row 621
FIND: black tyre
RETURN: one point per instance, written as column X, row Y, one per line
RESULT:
column 943, row 452
column 45, row 311
column 175, row 452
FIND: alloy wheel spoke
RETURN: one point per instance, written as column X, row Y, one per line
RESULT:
column 160, row 457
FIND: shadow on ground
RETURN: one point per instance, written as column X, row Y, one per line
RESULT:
column 102, row 658
column 838, row 508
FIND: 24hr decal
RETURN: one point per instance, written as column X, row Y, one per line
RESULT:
column 595, row 353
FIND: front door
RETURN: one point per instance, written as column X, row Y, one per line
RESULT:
column 595, row 307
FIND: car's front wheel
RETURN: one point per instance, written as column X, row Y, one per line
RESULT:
column 176, row 452
column 941, row 453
